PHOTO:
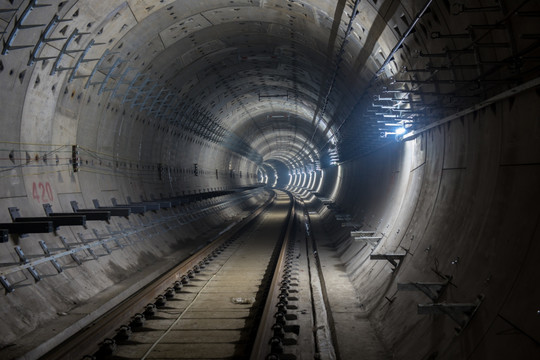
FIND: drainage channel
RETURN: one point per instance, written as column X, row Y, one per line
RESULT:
column 213, row 309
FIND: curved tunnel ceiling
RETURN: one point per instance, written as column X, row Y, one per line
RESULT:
column 301, row 82
column 268, row 80
column 245, row 67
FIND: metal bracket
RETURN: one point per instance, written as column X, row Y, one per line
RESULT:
column 20, row 26
column 14, row 213
column 23, row 259
column 91, row 215
column 352, row 224
column 164, row 103
column 106, row 53
column 48, row 209
column 48, row 253
column 458, row 8
column 461, row 313
column 131, row 85
column 90, row 250
column 155, row 99
column 115, row 234
column 343, row 217
column 20, row 254
column 74, row 205
column 431, row 290
column 138, row 91
column 110, row 72
column 44, row 38
column 135, row 209
column 153, row 206
column 148, row 96
column 57, row 221
column 99, row 237
column 6, row 284
column 120, row 82
column 64, row 51
column 372, row 240
column 115, row 211
column 390, row 257
column 68, row 247
column 32, row 270
column 24, row 228
column 75, row 159
column 361, row 233
column 82, row 59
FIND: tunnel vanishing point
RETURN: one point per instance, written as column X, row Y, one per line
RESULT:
column 417, row 121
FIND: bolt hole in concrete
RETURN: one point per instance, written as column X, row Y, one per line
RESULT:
column 21, row 76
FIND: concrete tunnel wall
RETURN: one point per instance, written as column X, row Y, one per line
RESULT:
column 461, row 200
column 122, row 153
column 466, row 189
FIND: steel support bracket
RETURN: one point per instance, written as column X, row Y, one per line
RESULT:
column 362, row 233
column 115, row 211
column 27, row 227
column 6, row 284
column 352, row 224
column 57, row 221
column 390, row 257
column 343, row 217
column 150, row 206
column 461, row 313
column 431, row 290
column 135, row 209
column 90, row 215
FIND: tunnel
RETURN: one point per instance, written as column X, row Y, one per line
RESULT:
column 408, row 131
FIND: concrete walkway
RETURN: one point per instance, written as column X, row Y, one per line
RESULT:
column 356, row 339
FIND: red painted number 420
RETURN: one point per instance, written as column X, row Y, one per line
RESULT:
column 42, row 192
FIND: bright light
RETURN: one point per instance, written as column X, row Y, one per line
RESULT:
column 320, row 181
column 400, row 131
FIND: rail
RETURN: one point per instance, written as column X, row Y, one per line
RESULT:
column 105, row 328
column 262, row 344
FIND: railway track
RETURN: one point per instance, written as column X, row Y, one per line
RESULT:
column 245, row 295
